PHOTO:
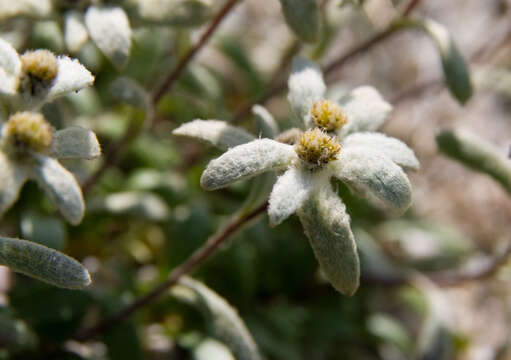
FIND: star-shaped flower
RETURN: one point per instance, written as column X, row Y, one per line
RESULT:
column 28, row 148
column 368, row 163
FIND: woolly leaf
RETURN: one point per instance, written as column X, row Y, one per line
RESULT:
column 75, row 32
column 43, row 263
column 390, row 147
column 75, row 143
column 246, row 161
column 303, row 17
column 224, row 320
column 110, row 29
column 217, row 133
column 10, row 69
column 376, row 177
column 71, row 77
column 12, row 178
column 327, row 225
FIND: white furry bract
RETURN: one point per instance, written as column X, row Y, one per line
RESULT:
column 365, row 109
column 215, row 132
column 43, row 263
column 376, row 177
column 12, row 178
column 71, row 76
column 75, row 143
column 392, row 148
column 10, row 68
column 289, row 193
column 306, row 85
column 61, row 187
column 245, row 161
column 225, row 322
column 110, row 29
column 75, row 32
column 327, row 225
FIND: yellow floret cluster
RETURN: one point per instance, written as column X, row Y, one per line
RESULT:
column 316, row 148
column 40, row 64
column 327, row 115
column 28, row 130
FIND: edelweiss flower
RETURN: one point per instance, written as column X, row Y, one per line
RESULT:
column 28, row 146
column 368, row 163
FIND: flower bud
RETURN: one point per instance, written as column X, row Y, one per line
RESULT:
column 40, row 64
column 316, row 148
column 27, row 131
column 327, row 115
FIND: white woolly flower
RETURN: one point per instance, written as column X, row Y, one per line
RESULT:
column 36, row 77
column 338, row 143
column 28, row 150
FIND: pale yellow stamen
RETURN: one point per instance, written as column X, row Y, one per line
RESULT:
column 327, row 115
column 316, row 148
column 40, row 64
column 28, row 130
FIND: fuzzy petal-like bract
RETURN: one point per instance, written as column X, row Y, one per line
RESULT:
column 10, row 68
column 12, row 178
column 75, row 143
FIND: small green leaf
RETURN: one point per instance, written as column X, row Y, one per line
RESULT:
column 327, row 225
column 226, row 324
column 477, row 154
column 303, row 17
column 43, row 263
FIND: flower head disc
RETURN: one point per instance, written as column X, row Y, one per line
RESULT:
column 40, row 64
column 28, row 131
column 316, row 148
column 327, row 115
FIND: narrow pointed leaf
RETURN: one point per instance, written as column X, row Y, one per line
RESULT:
column 12, row 178
column 75, row 32
column 303, row 17
column 61, row 187
column 246, row 161
column 306, row 85
column 75, row 143
column 226, row 324
column 110, row 29
column 10, row 68
column 327, row 225
column 392, row 148
column 289, row 193
column 43, row 263
column 266, row 125
column 376, row 177
column 365, row 109
column 217, row 133
column 477, row 154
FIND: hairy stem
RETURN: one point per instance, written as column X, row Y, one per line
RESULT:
column 190, row 264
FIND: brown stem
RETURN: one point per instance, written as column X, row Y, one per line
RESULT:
column 191, row 263
column 411, row 5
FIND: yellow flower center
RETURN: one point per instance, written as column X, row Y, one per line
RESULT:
column 40, row 64
column 327, row 115
column 316, row 148
column 28, row 130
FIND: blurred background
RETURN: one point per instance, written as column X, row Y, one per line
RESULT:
column 435, row 282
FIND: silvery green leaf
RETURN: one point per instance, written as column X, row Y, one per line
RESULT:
column 12, row 178
column 132, row 203
column 130, row 92
column 34, row 8
column 392, row 148
column 175, row 12
column 457, row 75
column 365, row 109
column 43, row 263
column 61, row 187
column 476, row 153
column 226, row 324
column 71, row 76
column 375, row 176
column 303, row 17
column 306, row 85
column 266, row 125
column 246, row 161
column 327, row 225
column 75, row 32
column 216, row 132
column 289, row 193
column 75, row 143
column 10, row 68
column 110, row 29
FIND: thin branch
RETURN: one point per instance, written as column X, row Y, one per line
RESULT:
column 409, row 8
column 190, row 264
column 113, row 155
column 183, row 63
